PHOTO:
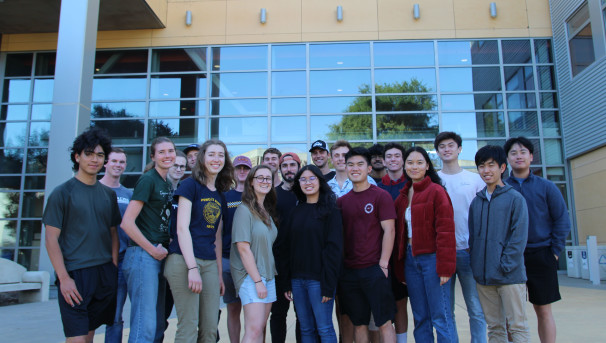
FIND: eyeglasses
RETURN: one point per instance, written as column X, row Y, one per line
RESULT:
column 310, row 180
column 179, row 166
column 263, row 179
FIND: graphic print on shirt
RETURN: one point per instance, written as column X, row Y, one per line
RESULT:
column 212, row 212
column 369, row 208
column 165, row 213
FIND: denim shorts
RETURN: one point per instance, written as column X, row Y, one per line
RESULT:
column 248, row 291
column 230, row 295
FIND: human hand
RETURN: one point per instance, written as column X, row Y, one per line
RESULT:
column 326, row 299
column 159, row 252
column 195, row 281
column 70, row 292
column 288, row 295
column 444, row 279
column 221, row 287
column 261, row 290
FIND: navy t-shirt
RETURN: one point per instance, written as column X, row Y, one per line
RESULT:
column 206, row 214
column 234, row 199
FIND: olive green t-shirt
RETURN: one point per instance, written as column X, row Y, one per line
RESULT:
column 154, row 218
column 248, row 228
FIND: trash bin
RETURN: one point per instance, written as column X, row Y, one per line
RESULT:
column 602, row 261
column 584, row 263
column 573, row 261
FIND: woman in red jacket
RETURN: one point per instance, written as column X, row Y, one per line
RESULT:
column 425, row 244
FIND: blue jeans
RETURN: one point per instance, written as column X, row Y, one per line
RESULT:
column 477, row 324
column 113, row 333
column 146, row 290
column 430, row 302
column 307, row 296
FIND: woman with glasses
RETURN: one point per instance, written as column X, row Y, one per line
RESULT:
column 193, row 267
column 311, row 254
column 251, row 258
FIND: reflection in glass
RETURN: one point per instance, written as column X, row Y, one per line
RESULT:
column 299, row 149
column 403, row 54
column 31, row 233
column 178, row 86
column 121, row 61
column 45, row 63
column 239, row 58
column 134, row 163
column 39, row 133
column 397, row 103
column 35, row 182
column 474, row 124
column 543, row 51
column 348, row 127
column 549, row 99
column 7, row 254
column 122, row 131
column 10, row 204
column 36, row 161
column 537, row 156
column 130, row 181
column 339, row 55
column 33, row 204
column 230, row 85
column 239, row 130
column 8, row 232
column 288, row 105
column 288, row 56
column 553, row 151
column 339, row 104
column 288, row 129
column 29, row 258
column 238, row 107
column 405, row 80
column 468, row 52
column 407, row 126
column 43, row 90
column 337, row 82
column 119, row 88
column 523, row 124
column 483, row 101
column 546, row 77
column 179, row 130
column 516, row 51
column 170, row 60
column 116, row 110
column 252, row 151
column 13, row 112
column 8, row 183
column 12, row 134
column 556, row 174
column 518, row 78
column 521, row 100
column 11, row 161
column 16, row 91
column 470, row 79
column 18, row 65
column 173, row 108
column 470, row 147
column 562, row 188
column 42, row 112
column 551, row 123
column 284, row 83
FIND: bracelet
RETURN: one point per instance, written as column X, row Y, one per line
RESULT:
column 258, row 281
column 192, row 268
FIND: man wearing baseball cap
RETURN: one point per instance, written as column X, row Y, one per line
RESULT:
column 191, row 151
column 319, row 155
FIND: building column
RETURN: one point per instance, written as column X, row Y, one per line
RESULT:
column 72, row 93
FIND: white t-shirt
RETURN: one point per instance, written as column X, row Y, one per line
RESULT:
column 462, row 188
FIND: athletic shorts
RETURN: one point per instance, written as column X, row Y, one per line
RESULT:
column 97, row 286
column 542, row 274
column 400, row 290
column 248, row 291
column 230, row 295
column 366, row 290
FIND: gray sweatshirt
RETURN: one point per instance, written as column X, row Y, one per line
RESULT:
column 498, row 231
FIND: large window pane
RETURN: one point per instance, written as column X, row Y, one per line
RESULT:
column 551, row 123
column 170, row 60
column 470, row 79
column 546, row 77
column 470, row 147
column 122, row 131
column 173, row 108
column 553, row 151
column 521, row 100
column 474, row 124
column 8, row 254
column 484, row 101
column 9, row 183
column 468, row 52
column 35, row 182
column 403, row 54
column 179, row 130
column 405, row 80
column 343, row 55
column 31, row 233
column 39, row 133
column 548, row 99
column 339, row 82
column 42, row 112
column 543, row 51
column 407, row 126
column 11, row 161
column 523, row 124
column 230, row 85
column 10, row 205
column 45, row 63
column 33, row 203
column 13, row 112
column 580, row 40
column 12, row 134
column 239, row 58
column 134, row 162
column 288, row 105
column 238, row 107
column 178, row 86
column 18, row 65
column 29, row 258
column 341, row 104
column 288, row 56
column 118, row 110
column 518, row 78
column 288, row 83
column 348, row 127
column 239, row 130
column 288, row 129
column 16, row 90
column 8, row 231
column 397, row 103
column 119, row 88
column 516, row 51
column 556, row 174
column 36, row 161
column 43, row 90
column 121, row 61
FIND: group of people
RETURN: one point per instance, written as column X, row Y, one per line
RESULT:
column 382, row 228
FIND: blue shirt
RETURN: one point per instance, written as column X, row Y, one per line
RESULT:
column 123, row 194
column 347, row 185
column 234, row 199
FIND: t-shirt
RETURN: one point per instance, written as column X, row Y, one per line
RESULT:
column 123, row 194
column 347, row 185
column 234, row 199
column 84, row 214
column 462, row 188
column 206, row 214
column 363, row 213
column 249, row 228
column 154, row 218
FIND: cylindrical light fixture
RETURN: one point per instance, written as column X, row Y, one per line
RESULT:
column 263, row 16
column 415, row 11
column 188, row 18
column 493, row 9
column 339, row 13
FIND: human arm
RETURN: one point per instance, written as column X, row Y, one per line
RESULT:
column 248, row 260
column 446, row 248
column 559, row 218
column 388, row 227
column 115, row 244
column 514, row 246
column 67, row 285
column 130, row 228
column 185, row 244
column 219, row 255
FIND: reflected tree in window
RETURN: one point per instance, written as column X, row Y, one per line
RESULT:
column 131, row 128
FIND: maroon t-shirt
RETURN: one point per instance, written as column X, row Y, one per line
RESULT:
column 363, row 213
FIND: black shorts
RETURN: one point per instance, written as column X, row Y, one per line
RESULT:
column 400, row 290
column 542, row 274
column 365, row 290
column 97, row 286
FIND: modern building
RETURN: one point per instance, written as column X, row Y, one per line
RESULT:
column 283, row 73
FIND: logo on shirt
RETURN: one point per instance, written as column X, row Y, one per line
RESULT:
column 369, row 208
column 211, row 211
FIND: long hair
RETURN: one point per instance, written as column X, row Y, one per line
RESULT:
column 431, row 172
column 225, row 177
column 249, row 198
column 326, row 200
column 157, row 141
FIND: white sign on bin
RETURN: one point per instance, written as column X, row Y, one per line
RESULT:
column 584, row 259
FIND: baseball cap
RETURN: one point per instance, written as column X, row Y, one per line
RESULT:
column 318, row 144
column 242, row 161
column 190, row 148
column 291, row 154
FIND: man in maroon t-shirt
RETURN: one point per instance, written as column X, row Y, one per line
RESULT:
column 368, row 235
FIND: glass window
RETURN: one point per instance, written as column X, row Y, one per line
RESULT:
column 18, row 65
column 33, row 203
column 31, row 233
column 546, row 77
column 403, row 54
column 405, row 80
column 39, row 133
column 254, row 152
column 551, row 123
column 239, row 58
column 288, row 83
column 470, row 79
column 474, row 124
column 29, row 258
column 391, row 103
column 231, row 85
column 516, row 51
column 7, row 253
column 349, row 127
column 288, row 105
column 172, row 108
column 468, row 52
column 580, row 40
column 521, row 100
column 122, row 131
column 118, row 110
column 45, row 63
column 171, row 60
column 239, row 130
column 13, row 112
column 178, row 86
column 8, row 230
column 42, row 112
column 339, row 82
column 10, row 202
column 518, row 78
column 36, row 161
column 8, row 183
column 134, row 162
column 556, row 174
column 35, row 182
column 288, row 56
column 543, row 51
column 288, row 129
column 16, row 90
column 553, row 151
column 523, row 124
column 407, row 126
column 12, row 134
column 341, row 104
column 120, row 61
column 549, row 99
column 470, row 147
column 342, row 55
column 483, row 101
column 179, row 130
column 119, row 88
column 43, row 90
column 11, row 161
column 238, row 107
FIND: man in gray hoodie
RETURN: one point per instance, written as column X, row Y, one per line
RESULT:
column 498, row 231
